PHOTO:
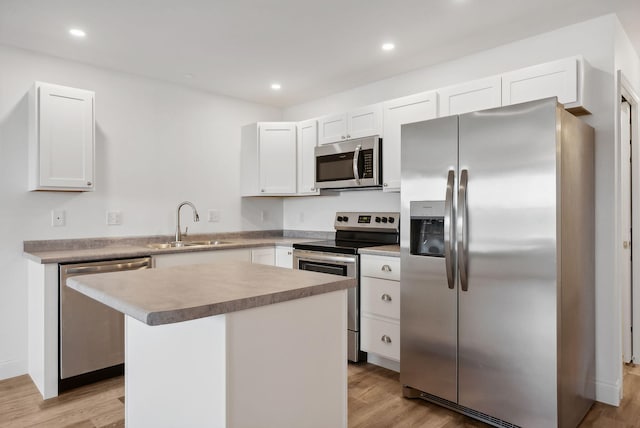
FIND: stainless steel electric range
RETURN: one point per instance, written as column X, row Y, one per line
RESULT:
column 354, row 230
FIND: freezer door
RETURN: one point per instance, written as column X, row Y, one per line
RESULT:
column 507, row 249
column 428, row 325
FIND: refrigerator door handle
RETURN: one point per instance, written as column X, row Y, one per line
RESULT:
column 463, row 227
column 449, row 230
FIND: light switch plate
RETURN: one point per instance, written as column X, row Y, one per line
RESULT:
column 114, row 218
column 214, row 216
column 58, row 218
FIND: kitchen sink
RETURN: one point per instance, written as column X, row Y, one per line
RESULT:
column 182, row 244
column 206, row 243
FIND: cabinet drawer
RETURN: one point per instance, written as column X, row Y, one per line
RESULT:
column 380, row 297
column 381, row 267
column 380, row 337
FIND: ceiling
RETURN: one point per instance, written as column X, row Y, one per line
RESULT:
column 313, row 48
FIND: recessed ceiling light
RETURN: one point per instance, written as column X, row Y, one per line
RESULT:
column 76, row 32
column 388, row 47
column 188, row 76
column 276, row 86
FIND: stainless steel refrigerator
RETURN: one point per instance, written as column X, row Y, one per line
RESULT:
column 497, row 264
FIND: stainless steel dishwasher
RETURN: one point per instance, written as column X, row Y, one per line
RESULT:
column 91, row 335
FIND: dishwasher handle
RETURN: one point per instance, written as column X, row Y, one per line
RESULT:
column 116, row 266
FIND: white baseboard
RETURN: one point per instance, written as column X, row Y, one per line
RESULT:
column 383, row 362
column 608, row 393
column 12, row 368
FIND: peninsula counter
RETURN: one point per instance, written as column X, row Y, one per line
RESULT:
column 230, row 344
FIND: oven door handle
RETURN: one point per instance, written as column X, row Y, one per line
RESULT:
column 311, row 256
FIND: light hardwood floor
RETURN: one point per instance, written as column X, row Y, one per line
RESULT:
column 375, row 400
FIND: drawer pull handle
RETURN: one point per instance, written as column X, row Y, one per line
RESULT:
column 385, row 297
column 385, row 338
column 386, row 268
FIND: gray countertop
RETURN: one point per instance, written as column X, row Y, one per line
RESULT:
column 383, row 250
column 182, row 293
column 118, row 250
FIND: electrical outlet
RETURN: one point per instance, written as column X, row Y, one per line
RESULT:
column 114, row 218
column 214, row 216
column 263, row 216
column 58, row 218
column 301, row 217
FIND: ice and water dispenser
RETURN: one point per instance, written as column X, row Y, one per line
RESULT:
column 427, row 228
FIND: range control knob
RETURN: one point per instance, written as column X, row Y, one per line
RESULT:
column 339, row 218
column 392, row 220
column 345, row 218
column 384, row 219
column 377, row 219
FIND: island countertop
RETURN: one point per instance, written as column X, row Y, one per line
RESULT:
column 182, row 293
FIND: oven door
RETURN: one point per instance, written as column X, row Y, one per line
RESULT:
column 343, row 265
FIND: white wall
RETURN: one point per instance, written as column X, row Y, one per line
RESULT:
column 157, row 144
column 628, row 62
column 595, row 40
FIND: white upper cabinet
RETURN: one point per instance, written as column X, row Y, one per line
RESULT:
column 269, row 159
column 413, row 108
column 61, row 138
column 471, row 96
column 332, row 128
column 361, row 122
column 365, row 121
column 307, row 142
column 563, row 79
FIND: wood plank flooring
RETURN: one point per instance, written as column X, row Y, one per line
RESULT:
column 375, row 401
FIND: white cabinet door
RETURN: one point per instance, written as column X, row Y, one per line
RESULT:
column 364, row 121
column 277, row 157
column 307, row 142
column 284, row 257
column 197, row 257
column 413, row 108
column 62, row 138
column 361, row 122
column 380, row 337
column 263, row 256
column 471, row 96
column 332, row 128
column 562, row 79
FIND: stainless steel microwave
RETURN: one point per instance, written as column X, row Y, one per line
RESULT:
column 349, row 164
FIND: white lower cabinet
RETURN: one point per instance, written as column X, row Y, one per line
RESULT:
column 381, row 337
column 284, row 257
column 380, row 307
column 263, row 256
column 196, row 257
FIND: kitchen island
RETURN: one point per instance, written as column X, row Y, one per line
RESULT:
column 230, row 344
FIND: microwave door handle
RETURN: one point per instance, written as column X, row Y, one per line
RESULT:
column 356, row 155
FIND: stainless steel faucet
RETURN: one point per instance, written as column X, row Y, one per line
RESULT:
column 196, row 217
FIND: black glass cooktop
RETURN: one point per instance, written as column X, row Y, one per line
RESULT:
column 349, row 242
column 341, row 247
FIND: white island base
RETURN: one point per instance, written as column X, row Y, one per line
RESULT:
column 280, row 365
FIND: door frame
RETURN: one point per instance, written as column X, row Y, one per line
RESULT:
column 624, row 88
